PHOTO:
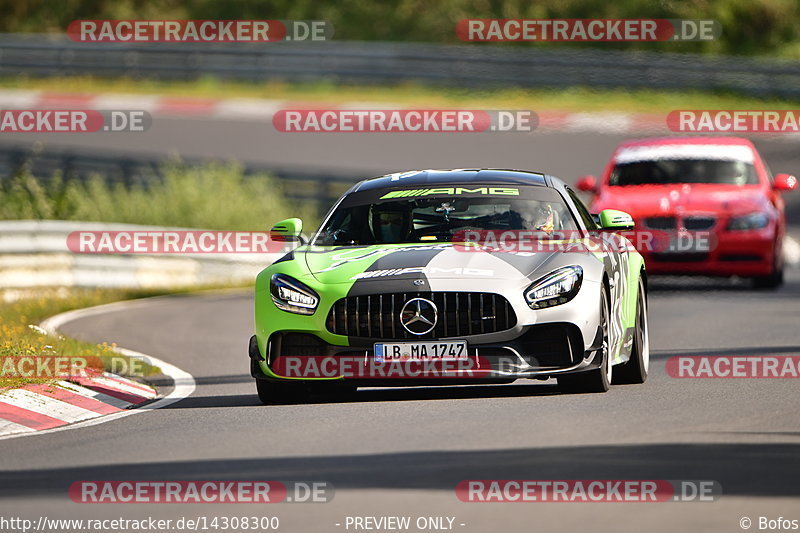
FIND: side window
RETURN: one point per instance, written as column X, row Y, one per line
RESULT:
column 587, row 218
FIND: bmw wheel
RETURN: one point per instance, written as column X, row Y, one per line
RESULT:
column 774, row 279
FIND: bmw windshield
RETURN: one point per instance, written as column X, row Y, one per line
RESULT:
column 672, row 171
column 439, row 214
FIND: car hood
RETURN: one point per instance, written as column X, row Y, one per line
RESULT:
column 425, row 261
column 654, row 199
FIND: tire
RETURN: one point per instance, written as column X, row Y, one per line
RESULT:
column 596, row 379
column 277, row 393
column 637, row 367
column 772, row 280
column 336, row 391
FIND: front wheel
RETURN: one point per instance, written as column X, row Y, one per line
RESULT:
column 597, row 379
column 278, row 393
column 335, row 391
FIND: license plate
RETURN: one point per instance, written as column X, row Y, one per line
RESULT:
column 689, row 243
column 421, row 351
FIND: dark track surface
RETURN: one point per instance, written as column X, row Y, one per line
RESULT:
column 401, row 452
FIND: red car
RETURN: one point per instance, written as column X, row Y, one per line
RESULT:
column 714, row 199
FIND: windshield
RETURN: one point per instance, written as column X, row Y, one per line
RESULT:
column 668, row 171
column 366, row 218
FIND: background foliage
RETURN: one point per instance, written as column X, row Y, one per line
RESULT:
column 767, row 27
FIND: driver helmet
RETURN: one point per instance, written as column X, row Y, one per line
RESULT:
column 544, row 218
column 538, row 216
column 391, row 222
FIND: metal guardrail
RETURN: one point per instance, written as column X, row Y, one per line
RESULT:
column 466, row 65
column 34, row 253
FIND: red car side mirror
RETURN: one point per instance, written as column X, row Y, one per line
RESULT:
column 588, row 183
column 784, row 182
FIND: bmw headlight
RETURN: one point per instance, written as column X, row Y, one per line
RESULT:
column 750, row 221
column 556, row 288
column 292, row 296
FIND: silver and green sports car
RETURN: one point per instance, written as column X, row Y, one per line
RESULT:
column 441, row 277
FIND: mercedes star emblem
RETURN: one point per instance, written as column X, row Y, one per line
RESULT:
column 419, row 316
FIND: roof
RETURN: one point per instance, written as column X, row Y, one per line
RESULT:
column 434, row 177
column 718, row 152
column 685, row 140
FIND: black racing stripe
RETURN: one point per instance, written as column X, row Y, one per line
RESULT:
column 524, row 263
column 287, row 257
column 387, row 279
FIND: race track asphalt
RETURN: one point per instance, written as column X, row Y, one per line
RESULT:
column 402, row 451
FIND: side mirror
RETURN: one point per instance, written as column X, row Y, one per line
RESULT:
column 288, row 230
column 615, row 220
column 587, row 184
column 784, row 182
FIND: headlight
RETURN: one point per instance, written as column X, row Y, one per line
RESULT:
column 556, row 288
column 749, row 221
column 292, row 296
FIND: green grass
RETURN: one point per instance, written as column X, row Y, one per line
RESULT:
column 211, row 196
column 571, row 100
column 19, row 339
column 20, row 335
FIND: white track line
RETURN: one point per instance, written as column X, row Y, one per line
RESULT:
column 45, row 405
column 184, row 384
column 9, row 428
column 93, row 395
column 120, row 386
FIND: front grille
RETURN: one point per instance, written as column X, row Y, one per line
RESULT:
column 698, row 223
column 377, row 316
column 740, row 257
column 661, row 223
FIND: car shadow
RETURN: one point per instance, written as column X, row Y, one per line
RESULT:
column 371, row 395
column 742, row 469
